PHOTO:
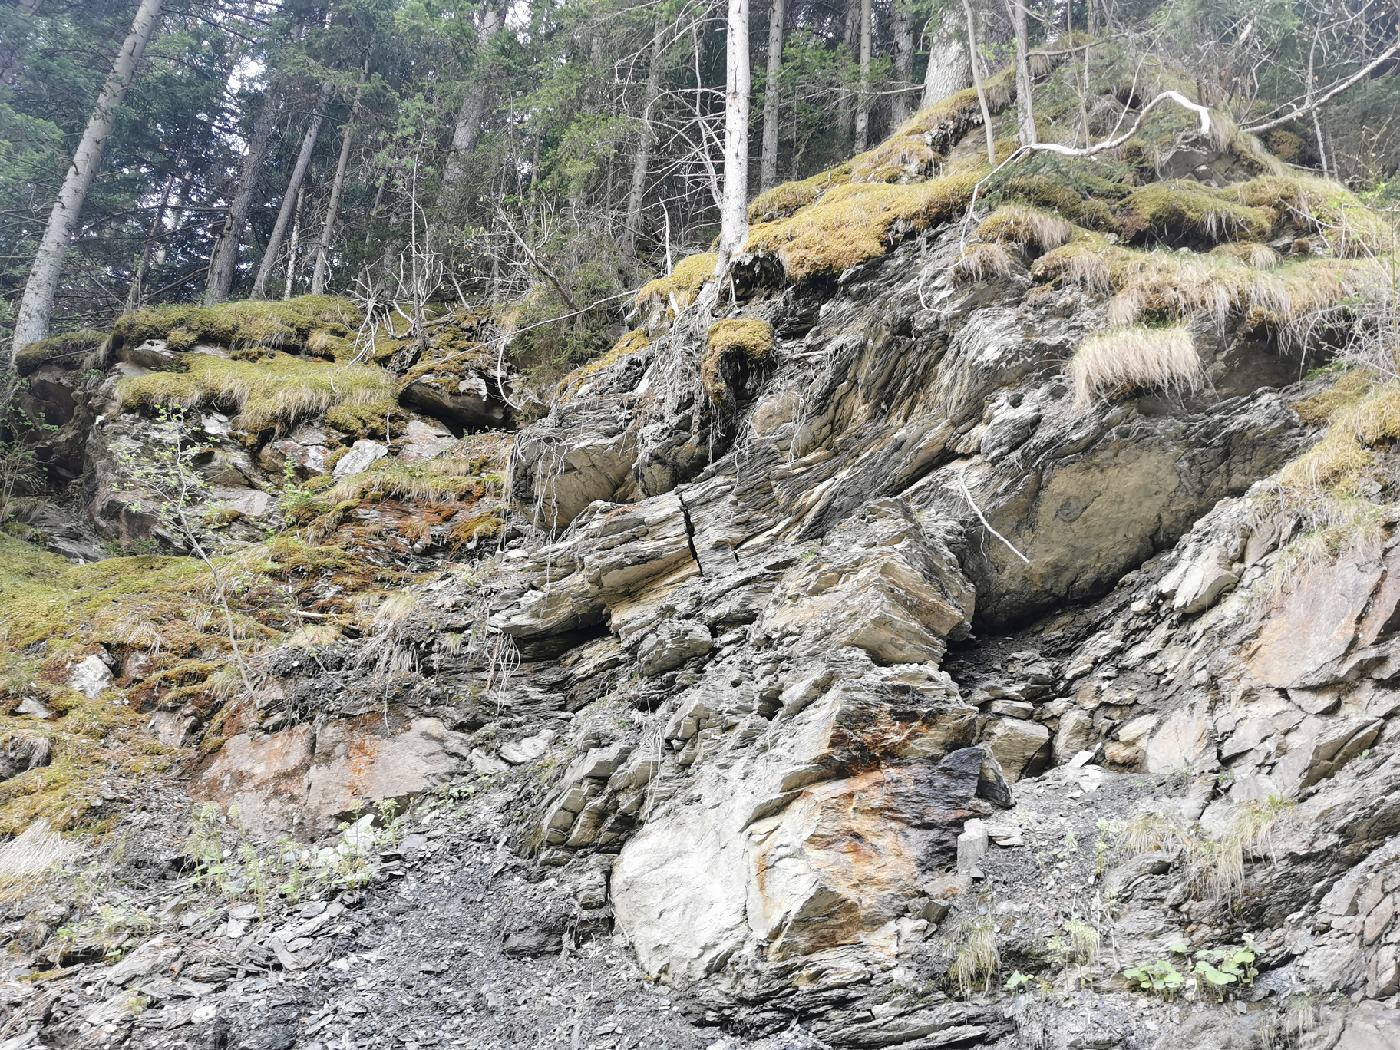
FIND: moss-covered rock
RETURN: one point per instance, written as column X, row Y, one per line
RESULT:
column 854, row 223
column 273, row 393
column 70, row 350
column 678, row 289
column 321, row 325
column 739, row 341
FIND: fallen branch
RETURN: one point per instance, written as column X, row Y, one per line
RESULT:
column 1113, row 142
column 1304, row 108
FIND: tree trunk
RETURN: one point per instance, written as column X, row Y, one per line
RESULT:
column 36, row 305
column 224, row 262
column 734, row 216
column 138, row 279
column 289, row 200
column 342, row 164
column 1025, row 106
column 903, row 102
column 949, row 60
column 768, row 158
column 473, row 109
column 294, row 245
column 863, row 98
column 975, row 63
column 641, row 161
column 845, row 104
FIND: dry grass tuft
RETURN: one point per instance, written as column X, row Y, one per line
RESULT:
column 982, row 262
column 444, row 479
column 27, row 861
column 1027, row 227
column 977, row 958
column 1127, row 359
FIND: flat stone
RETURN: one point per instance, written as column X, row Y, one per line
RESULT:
column 363, row 454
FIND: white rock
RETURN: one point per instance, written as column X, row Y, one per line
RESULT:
column 362, row 455
column 90, row 676
column 529, row 749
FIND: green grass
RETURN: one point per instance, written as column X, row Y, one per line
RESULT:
column 273, row 393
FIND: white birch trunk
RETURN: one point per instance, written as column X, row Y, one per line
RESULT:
column 734, row 216
column 36, row 306
column 863, row 95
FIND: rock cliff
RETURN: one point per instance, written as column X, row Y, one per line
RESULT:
column 903, row 650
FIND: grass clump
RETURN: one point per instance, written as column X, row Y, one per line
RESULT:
column 67, row 350
column 982, row 262
column 1026, row 227
column 321, row 323
column 852, row 224
column 746, row 338
column 679, row 288
column 446, row 478
column 977, row 958
column 1127, row 359
column 1321, row 207
column 1182, row 212
column 269, row 394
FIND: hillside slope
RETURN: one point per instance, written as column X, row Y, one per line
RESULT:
column 947, row 633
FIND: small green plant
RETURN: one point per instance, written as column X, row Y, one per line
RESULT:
column 1016, row 982
column 1224, row 970
column 1159, row 977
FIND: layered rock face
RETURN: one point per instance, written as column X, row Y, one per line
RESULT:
column 878, row 693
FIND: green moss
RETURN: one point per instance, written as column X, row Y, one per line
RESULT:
column 855, row 223
column 632, row 342
column 682, row 284
column 273, row 393
column 1313, row 206
column 1185, row 212
column 748, row 338
column 320, row 324
column 784, row 199
column 68, row 350
column 923, row 141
